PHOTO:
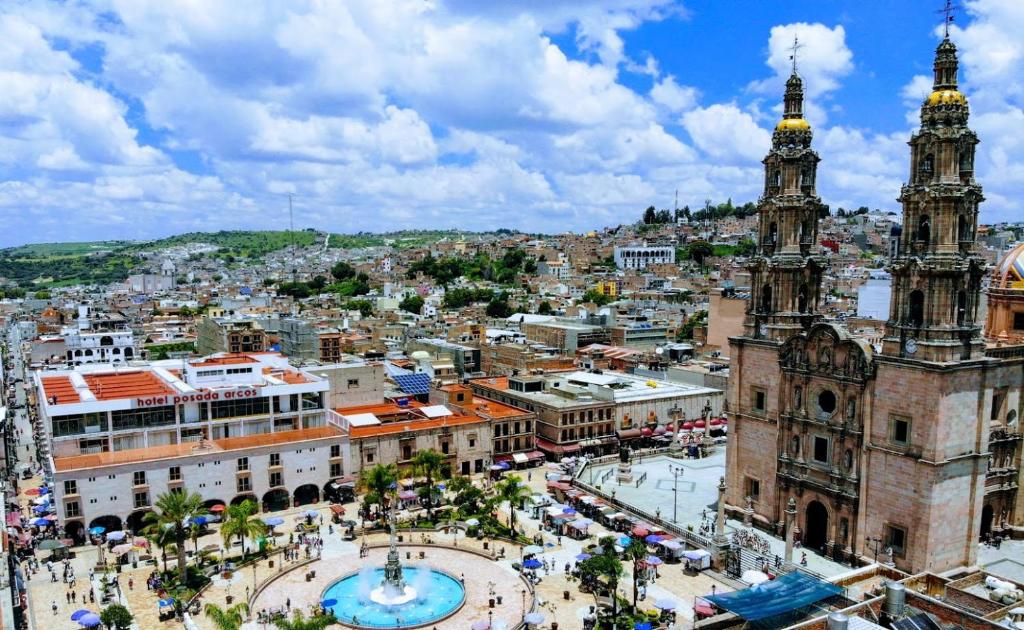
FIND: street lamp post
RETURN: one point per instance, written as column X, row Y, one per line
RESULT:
column 677, row 472
column 523, row 593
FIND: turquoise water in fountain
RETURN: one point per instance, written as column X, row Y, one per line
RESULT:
column 437, row 595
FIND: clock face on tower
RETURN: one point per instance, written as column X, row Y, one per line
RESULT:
column 910, row 346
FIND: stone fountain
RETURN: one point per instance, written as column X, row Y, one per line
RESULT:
column 393, row 591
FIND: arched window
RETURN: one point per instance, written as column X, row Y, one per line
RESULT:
column 766, row 298
column 924, row 228
column 961, row 307
column 965, row 162
column 848, row 459
column 915, row 310
column 927, row 166
column 777, row 178
column 794, row 446
column 801, row 299
column 963, row 229
column 773, row 232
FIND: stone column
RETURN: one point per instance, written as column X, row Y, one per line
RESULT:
column 748, row 512
column 720, row 515
column 790, row 523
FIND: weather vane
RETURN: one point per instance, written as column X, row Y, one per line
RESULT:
column 949, row 9
column 792, row 51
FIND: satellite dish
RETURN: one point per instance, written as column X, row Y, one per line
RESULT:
column 659, row 351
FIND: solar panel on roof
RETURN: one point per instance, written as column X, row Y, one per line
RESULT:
column 413, row 384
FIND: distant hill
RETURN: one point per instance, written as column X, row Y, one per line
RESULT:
column 44, row 265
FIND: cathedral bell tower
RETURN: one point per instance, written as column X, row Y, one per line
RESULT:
column 936, row 274
column 786, row 272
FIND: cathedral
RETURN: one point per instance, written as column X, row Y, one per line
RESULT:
column 911, row 447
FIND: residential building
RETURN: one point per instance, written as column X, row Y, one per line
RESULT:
column 230, row 334
column 640, row 257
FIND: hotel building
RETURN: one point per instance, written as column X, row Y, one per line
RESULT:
column 230, row 427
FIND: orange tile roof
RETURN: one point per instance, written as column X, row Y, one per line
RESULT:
column 391, row 428
column 230, row 359
column 118, row 385
column 153, row 453
column 496, row 409
column 61, row 387
column 493, row 382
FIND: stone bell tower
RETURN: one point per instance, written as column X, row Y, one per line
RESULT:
column 936, row 277
column 785, row 272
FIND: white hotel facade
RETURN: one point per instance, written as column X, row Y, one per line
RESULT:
column 229, row 426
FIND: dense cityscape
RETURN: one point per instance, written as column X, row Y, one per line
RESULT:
column 755, row 413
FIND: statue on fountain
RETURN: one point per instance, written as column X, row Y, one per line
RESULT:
column 393, row 581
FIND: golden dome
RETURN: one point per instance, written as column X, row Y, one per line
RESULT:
column 946, row 97
column 1009, row 271
column 793, row 124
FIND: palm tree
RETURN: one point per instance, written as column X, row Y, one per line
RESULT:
column 509, row 489
column 636, row 551
column 428, row 462
column 378, row 482
column 173, row 511
column 239, row 521
column 301, row 622
column 227, row 618
column 604, row 565
column 160, row 537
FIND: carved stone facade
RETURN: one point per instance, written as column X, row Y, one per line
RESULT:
column 885, row 449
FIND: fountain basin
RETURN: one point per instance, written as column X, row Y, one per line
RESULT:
column 430, row 595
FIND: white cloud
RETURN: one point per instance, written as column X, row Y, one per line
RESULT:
column 725, row 132
column 673, row 97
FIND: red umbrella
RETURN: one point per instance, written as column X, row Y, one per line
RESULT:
column 32, row 492
column 700, row 424
column 670, row 427
column 640, row 530
column 687, row 426
column 218, row 508
column 51, row 517
column 717, row 422
column 646, row 432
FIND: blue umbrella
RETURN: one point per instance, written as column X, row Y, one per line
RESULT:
column 624, row 541
column 44, row 490
column 653, row 538
column 441, row 486
column 166, row 602
column 312, row 513
column 89, row 621
column 569, row 510
column 654, row 561
column 78, row 614
column 40, row 509
column 584, row 556
column 532, row 563
column 116, row 536
column 200, row 520
column 273, row 521
column 96, row 531
column 503, row 465
column 40, row 522
column 327, row 603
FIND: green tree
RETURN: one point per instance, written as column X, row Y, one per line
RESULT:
column 378, row 482
column 301, row 622
column 604, row 569
column 116, row 617
column 428, row 463
column 470, row 499
column 227, row 618
column 412, row 304
column 699, row 251
column 498, row 306
column 343, row 271
column 595, row 296
column 160, row 536
column 510, row 489
column 42, row 295
column 686, row 330
column 746, row 247
column 650, row 215
column 544, row 308
column 636, row 551
column 240, row 522
column 318, row 283
column 365, row 307
column 173, row 510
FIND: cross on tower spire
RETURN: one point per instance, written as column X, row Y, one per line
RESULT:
column 949, row 9
column 793, row 50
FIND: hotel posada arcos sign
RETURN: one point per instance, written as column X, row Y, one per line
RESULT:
column 200, row 396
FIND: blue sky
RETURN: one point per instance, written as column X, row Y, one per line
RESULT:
column 132, row 119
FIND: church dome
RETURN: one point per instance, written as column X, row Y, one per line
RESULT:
column 946, row 97
column 793, row 124
column 1009, row 271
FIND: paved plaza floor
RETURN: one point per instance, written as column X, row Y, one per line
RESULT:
column 683, row 500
